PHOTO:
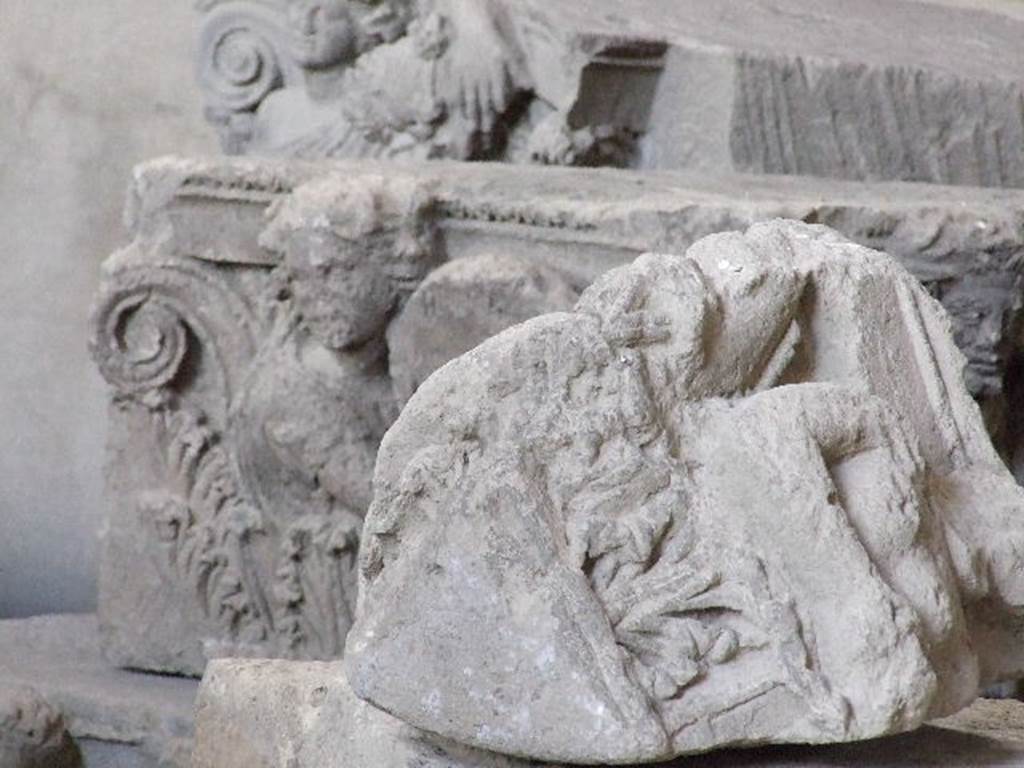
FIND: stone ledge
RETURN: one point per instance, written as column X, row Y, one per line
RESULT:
column 282, row 714
column 130, row 719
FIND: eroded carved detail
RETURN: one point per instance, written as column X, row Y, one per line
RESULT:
column 242, row 58
column 736, row 496
column 398, row 78
column 266, row 392
column 171, row 336
column 205, row 525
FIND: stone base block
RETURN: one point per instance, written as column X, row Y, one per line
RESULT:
column 264, row 714
column 281, row 714
column 114, row 718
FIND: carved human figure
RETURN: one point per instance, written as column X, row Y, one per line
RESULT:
column 340, row 284
column 734, row 497
column 391, row 78
column 324, row 37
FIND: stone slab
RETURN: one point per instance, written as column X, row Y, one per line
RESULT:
column 115, row 717
column 258, row 714
column 185, row 328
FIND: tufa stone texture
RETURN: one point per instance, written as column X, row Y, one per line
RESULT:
column 736, row 497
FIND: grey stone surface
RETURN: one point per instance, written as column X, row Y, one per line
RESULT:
column 114, row 717
column 258, row 298
column 89, row 90
column 265, row 714
column 736, row 497
column 833, row 88
column 464, row 303
column 262, row 714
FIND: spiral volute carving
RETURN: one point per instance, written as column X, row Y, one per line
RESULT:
column 240, row 61
column 153, row 316
column 141, row 341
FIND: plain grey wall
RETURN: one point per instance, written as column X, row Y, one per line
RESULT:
column 87, row 89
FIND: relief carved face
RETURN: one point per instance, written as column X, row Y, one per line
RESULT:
column 987, row 308
column 329, row 32
column 323, row 32
column 344, row 294
column 352, row 252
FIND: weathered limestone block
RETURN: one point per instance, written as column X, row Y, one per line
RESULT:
column 832, row 88
column 32, row 733
column 95, row 715
column 736, row 497
column 261, row 714
column 259, row 299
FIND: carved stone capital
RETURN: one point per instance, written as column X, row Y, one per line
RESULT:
column 269, row 318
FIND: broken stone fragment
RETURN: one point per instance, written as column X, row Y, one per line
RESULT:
column 32, row 733
column 113, row 716
column 736, row 497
